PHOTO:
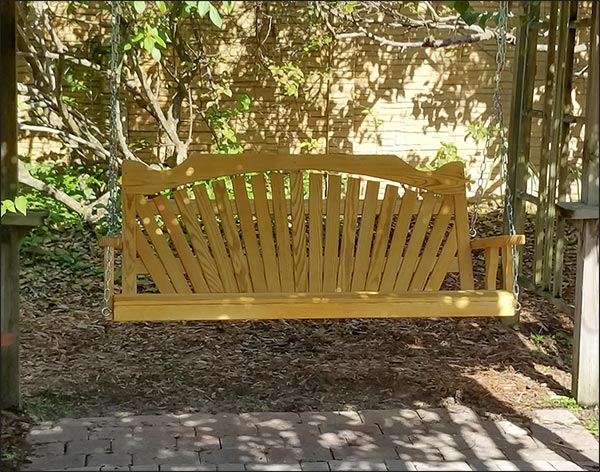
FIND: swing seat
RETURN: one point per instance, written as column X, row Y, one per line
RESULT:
column 261, row 236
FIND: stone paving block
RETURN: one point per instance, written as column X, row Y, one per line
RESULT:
column 400, row 466
column 143, row 468
column 440, row 439
column 452, row 454
column 314, row 466
column 57, row 434
column 357, row 466
column 540, row 465
column 347, row 418
column 230, row 467
column 540, row 453
column 199, row 443
column 89, row 446
column 364, row 453
column 402, row 417
column 461, row 414
column 565, row 465
column 433, row 415
column 110, row 432
column 149, row 420
column 354, row 435
column 554, row 415
column 295, row 454
column 275, row 467
column 296, row 437
column 447, row 465
column 511, row 429
column 47, row 449
column 89, row 422
column 585, row 456
column 68, row 461
column 199, row 467
column 272, row 420
column 76, row 469
column 166, row 457
column 108, row 459
column 163, row 431
column 573, row 436
column 421, row 453
column 137, row 444
column 252, row 442
column 232, row 456
column 114, row 468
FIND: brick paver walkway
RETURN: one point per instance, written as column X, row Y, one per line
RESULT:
column 387, row 440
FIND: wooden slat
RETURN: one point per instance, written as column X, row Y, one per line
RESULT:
column 187, row 258
column 332, row 232
column 265, row 233
column 491, row 267
column 244, row 213
column 498, row 241
column 444, row 264
column 138, row 178
column 382, row 237
column 507, row 268
column 394, row 259
column 215, row 239
column 429, row 257
column 155, row 268
column 147, row 210
column 365, row 237
column 194, row 231
column 467, row 303
column 315, row 235
column 299, row 249
column 415, row 243
column 230, row 230
column 346, row 263
column 128, row 279
column 463, row 241
column 282, row 233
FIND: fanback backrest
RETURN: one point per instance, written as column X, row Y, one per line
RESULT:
column 289, row 223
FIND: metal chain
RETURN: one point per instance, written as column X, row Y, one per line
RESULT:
column 113, row 190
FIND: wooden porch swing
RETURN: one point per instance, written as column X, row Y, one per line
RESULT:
column 262, row 236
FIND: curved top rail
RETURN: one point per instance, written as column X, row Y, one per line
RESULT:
column 137, row 178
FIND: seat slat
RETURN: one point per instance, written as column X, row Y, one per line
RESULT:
column 382, row 238
column 153, row 264
column 265, row 233
column 332, row 232
column 187, row 258
column 463, row 240
column 365, row 237
column 315, row 223
column 244, row 213
column 348, row 235
column 299, row 250
column 444, row 263
column 282, row 233
column 146, row 209
column 236, row 253
column 192, row 225
column 215, row 239
column 429, row 257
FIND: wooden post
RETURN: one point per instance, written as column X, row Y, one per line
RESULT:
column 585, row 338
column 9, row 367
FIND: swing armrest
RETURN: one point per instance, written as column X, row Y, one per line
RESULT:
column 498, row 241
column 115, row 242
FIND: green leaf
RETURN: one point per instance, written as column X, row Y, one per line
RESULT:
column 162, row 7
column 215, row 17
column 228, row 6
column 149, row 44
column 203, row 8
column 156, row 55
column 139, row 6
column 8, row 205
column 159, row 41
column 137, row 37
column 470, row 18
column 21, row 204
column 461, row 7
column 127, row 47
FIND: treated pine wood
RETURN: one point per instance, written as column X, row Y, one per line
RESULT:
column 429, row 257
column 230, row 230
column 153, row 265
column 245, row 216
column 498, row 241
column 348, row 244
column 507, row 268
column 215, row 239
column 260, row 306
column 332, row 232
column 382, row 238
column 299, row 249
column 465, row 261
column 184, row 253
column 491, row 267
column 194, row 231
column 265, row 233
column 397, row 246
column 315, row 235
column 415, row 243
column 282, row 233
column 138, row 178
column 444, row 264
column 365, row 237
column 112, row 241
column 128, row 280
column 146, row 209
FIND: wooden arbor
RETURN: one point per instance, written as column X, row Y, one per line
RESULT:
column 553, row 208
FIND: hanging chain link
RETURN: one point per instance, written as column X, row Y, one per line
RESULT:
column 113, row 190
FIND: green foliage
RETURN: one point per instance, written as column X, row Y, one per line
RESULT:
column 289, row 76
column 19, row 204
column 538, row 338
column 447, row 152
column 311, row 144
column 591, row 424
column 470, row 17
column 224, row 136
column 563, row 402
